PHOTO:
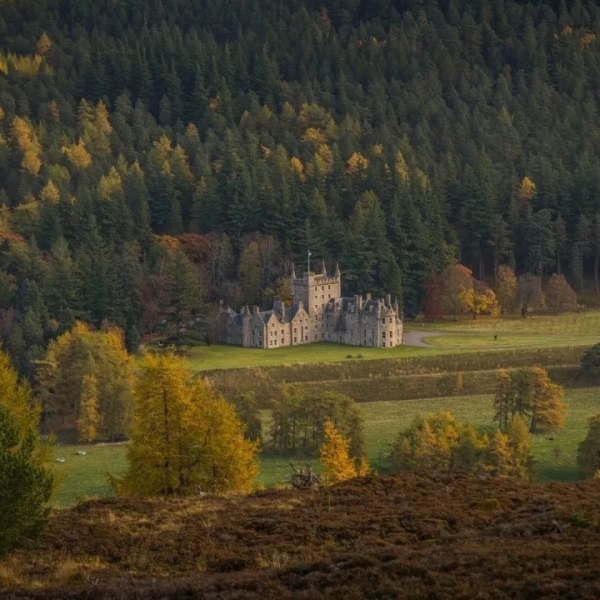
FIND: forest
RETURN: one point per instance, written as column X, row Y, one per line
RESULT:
column 159, row 156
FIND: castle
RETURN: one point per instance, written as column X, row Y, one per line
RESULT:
column 319, row 313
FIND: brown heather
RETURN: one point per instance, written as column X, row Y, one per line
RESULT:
column 409, row 536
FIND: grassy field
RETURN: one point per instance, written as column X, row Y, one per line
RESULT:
column 85, row 476
column 457, row 336
column 570, row 324
column 486, row 340
column 204, row 358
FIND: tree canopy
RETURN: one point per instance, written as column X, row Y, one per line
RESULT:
column 185, row 438
column 400, row 138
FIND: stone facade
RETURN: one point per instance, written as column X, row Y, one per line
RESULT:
column 319, row 313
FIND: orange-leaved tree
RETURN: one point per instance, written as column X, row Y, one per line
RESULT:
column 337, row 463
column 185, row 437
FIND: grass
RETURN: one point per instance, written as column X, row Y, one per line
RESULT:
column 502, row 340
column 204, row 358
column 555, row 460
column 569, row 324
column 551, row 330
column 81, row 477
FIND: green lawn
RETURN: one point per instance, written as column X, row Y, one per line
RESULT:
column 486, row 340
column 85, row 476
column 81, row 477
column 203, row 358
column 570, row 324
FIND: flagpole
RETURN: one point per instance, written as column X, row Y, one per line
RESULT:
column 309, row 253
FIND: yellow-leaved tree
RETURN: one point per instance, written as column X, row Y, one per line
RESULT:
column 335, row 457
column 185, row 437
column 100, row 405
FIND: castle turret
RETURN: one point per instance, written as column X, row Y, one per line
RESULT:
column 293, row 275
column 323, row 269
column 337, row 273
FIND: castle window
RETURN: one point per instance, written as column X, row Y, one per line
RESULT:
column 295, row 330
column 282, row 332
column 391, row 345
column 384, row 344
column 391, row 334
column 295, row 339
column 383, row 335
column 328, row 287
column 322, row 287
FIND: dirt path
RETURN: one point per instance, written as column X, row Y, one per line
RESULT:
column 417, row 338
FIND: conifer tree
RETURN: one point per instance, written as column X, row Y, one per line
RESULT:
column 185, row 438
column 588, row 451
column 89, row 413
column 25, row 482
column 335, row 457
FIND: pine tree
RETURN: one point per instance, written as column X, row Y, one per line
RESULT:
column 25, row 486
column 25, row 482
column 588, row 451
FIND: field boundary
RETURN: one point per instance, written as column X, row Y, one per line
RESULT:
column 404, row 378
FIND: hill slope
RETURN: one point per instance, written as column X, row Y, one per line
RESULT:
column 436, row 535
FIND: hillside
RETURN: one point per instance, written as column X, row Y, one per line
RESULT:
column 409, row 536
column 396, row 137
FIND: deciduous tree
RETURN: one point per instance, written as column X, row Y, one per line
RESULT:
column 185, row 437
column 62, row 384
column 506, row 288
column 560, row 296
column 335, row 457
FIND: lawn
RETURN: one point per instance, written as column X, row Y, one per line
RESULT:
column 203, row 358
column 81, row 477
column 85, row 476
column 490, row 340
column 569, row 324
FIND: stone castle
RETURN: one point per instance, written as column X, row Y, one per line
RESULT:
column 319, row 313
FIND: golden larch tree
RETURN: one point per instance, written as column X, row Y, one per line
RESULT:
column 335, row 457
column 89, row 411
column 185, row 437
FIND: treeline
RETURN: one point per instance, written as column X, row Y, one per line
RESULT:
column 396, row 137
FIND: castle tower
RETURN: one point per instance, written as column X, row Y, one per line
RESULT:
column 315, row 291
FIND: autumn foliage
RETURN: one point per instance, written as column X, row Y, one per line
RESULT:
column 186, row 439
column 335, row 457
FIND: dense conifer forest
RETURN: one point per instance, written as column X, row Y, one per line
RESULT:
column 157, row 156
